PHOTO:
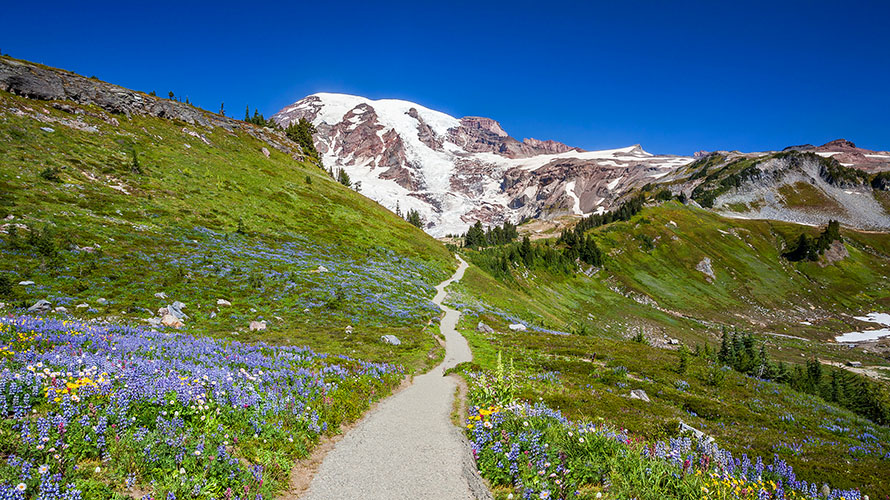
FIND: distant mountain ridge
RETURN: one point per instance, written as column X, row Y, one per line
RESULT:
column 455, row 171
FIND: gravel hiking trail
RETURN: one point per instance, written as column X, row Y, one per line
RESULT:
column 407, row 448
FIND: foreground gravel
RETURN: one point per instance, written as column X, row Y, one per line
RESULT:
column 407, row 447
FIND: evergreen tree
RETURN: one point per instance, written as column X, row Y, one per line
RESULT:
column 413, row 217
column 302, row 132
column 343, row 178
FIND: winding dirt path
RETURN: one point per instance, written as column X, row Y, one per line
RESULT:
column 407, row 447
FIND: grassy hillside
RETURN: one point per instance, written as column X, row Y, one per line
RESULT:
column 650, row 288
column 119, row 208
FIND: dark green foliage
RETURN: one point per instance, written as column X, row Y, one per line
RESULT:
column 343, row 178
column 849, row 390
column 624, row 212
column 683, row 359
column 736, row 173
column 701, row 166
column 51, row 174
column 807, row 248
column 881, row 181
column 301, row 132
column 5, row 286
column 476, row 237
column 258, row 119
column 171, row 95
column 663, row 195
column 413, row 217
column 838, row 175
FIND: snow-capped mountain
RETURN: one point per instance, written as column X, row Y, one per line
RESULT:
column 456, row 171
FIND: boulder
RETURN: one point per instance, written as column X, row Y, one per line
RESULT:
column 154, row 321
column 82, row 306
column 257, row 326
column 705, row 267
column 639, row 394
column 47, row 129
column 212, row 314
column 265, row 152
column 26, row 283
column 321, row 269
column 349, row 329
column 41, row 306
column 518, row 327
column 161, row 295
column 482, row 327
column 223, row 302
column 390, row 339
column 171, row 320
column 176, row 310
column 854, row 364
column 60, row 309
column 101, row 301
column 673, row 341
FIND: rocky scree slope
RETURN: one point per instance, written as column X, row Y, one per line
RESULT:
column 803, row 184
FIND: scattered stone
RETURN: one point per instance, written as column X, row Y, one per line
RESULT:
column 321, row 269
column 854, row 364
column 101, row 301
column 161, row 295
column 257, row 326
column 212, row 314
column 705, row 267
column 826, row 491
column 265, row 152
column 639, row 394
column 672, row 223
column 391, row 340
column 87, row 249
column 41, row 306
column 518, row 327
column 82, row 306
column 673, row 341
column 176, row 310
column 47, row 129
column 171, row 320
column 154, row 321
column 26, row 283
column 60, row 309
column 349, row 329
column 223, row 302
column 482, row 327
column 697, row 433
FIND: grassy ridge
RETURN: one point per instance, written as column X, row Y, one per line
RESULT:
column 650, row 285
column 142, row 205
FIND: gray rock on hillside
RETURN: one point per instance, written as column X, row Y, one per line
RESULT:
column 391, row 340
column 176, row 310
column 639, row 394
column 41, row 306
column 257, row 326
column 705, row 267
column 482, row 327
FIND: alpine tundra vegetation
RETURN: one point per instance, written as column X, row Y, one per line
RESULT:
column 197, row 306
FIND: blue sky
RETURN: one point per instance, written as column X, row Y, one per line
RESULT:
column 675, row 77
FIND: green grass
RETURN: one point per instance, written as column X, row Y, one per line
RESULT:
column 177, row 231
column 658, row 292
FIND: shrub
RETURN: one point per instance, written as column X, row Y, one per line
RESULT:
column 51, row 174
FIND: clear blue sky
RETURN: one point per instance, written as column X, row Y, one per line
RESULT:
column 674, row 76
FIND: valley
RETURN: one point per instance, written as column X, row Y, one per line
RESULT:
column 191, row 304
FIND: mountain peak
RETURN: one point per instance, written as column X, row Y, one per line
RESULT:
column 457, row 171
